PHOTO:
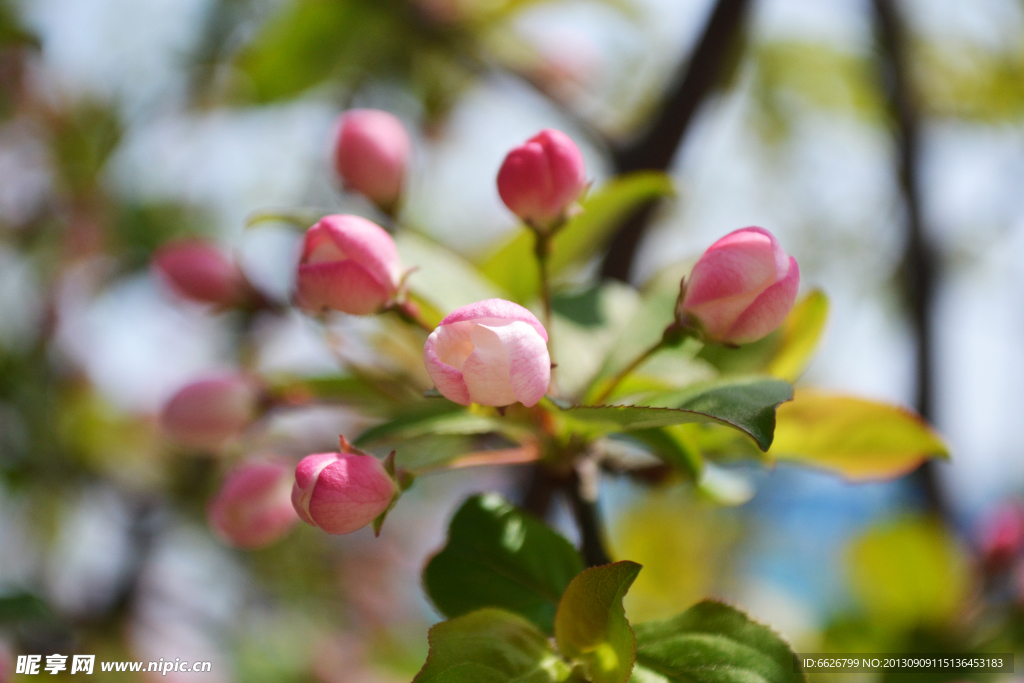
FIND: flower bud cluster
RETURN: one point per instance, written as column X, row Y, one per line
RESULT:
column 491, row 353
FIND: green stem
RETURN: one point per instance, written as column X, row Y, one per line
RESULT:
column 637, row 362
column 542, row 249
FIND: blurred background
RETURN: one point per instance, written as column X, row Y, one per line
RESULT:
column 881, row 141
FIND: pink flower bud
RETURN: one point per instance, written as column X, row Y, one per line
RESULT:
column 371, row 154
column 206, row 413
column 1002, row 536
column 348, row 264
column 6, row 663
column 541, row 178
column 199, row 271
column 341, row 492
column 253, row 507
column 742, row 287
column 493, row 352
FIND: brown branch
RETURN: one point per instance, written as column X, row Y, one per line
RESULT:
column 656, row 147
column 919, row 262
column 588, row 521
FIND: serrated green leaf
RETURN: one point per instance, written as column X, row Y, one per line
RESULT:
column 856, row 438
column 746, row 404
column 429, row 452
column 513, row 266
column 713, row 643
column 591, row 625
column 490, row 646
column 800, row 334
column 441, row 417
column 442, row 278
column 499, row 556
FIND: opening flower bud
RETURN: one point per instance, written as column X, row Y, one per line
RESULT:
column 253, row 507
column 742, row 287
column 206, row 413
column 541, row 178
column 199, row 271
column 348, row 264
column 341, row 492
column 371, row 154
column 493, row 352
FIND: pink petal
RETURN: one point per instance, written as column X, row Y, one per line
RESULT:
column 769, row 310
column 565, row 168
column 252, row 507
column 367, row 244
column 350, row 493
column 741, row 264
column 486, row 370
column 306, row 473
column 372, row 152
column 495, row 309
column 528, row 361
column 523, row 181
column 199, row 271
column 448, row 379
column 341, row 285
column 206, row 413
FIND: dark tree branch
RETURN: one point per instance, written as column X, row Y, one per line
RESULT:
column 588, row 521
column 919, row 262
column 656, row 147
column 539, row 489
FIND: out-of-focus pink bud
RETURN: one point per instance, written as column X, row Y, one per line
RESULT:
column 493, row 352
column 742, row 287
column 348, row 264
column 541, row 178
column 6, row 663
column 199, row 271
column 253, row 507
column 1002, row 536
column 371, row 154
column 341, row 492
column 208, row 412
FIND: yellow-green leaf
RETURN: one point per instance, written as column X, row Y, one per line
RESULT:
column 800, row 334
column 442, row 278
column 591, row 626
column 513, row 266
column 908, row 573
column 854, row 437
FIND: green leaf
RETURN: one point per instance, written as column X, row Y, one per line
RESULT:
column 439, row 417
column 311, row 41
column 854, row 437
column 786, row 352
column 713, row 643
column 513, row 266
column 429, row 452
column 586, row 325
column 23, row 607
column 442, row 278
column 673, row 445
column 800, row 334
column 746, row 404
column 373, row 396
column 498, row 556
column 591, row 624
column 490, row 646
